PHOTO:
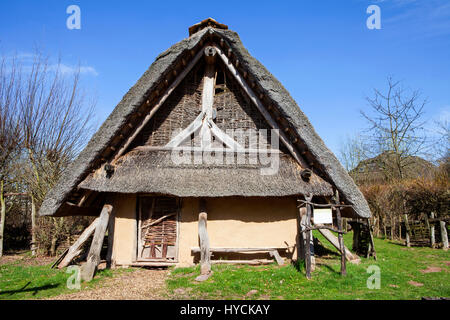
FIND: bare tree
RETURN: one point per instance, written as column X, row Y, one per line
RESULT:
column 10, row 131
column 396, row 126
column 54, row 122
column 352, row 151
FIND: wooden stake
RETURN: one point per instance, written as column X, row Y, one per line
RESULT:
column 308, row 238
column 88, row 269
column 110, row 261
column 205, row 265
column 408, row 232
column 432, row 232
column 340, row 236
column 444, row 235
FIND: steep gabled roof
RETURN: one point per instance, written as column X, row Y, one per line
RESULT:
column 267, row 86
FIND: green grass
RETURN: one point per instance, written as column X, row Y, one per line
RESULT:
column 397, row 264
column 37, row 282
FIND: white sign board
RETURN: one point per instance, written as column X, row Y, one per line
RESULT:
column 323, row 216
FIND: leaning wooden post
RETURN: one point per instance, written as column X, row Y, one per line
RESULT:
column 432, row 231
column 408, row 231
column 205, row 264
column 308, row 237
column 93, row 259
column 340, row 236
column 75, row 249
column 444, row 235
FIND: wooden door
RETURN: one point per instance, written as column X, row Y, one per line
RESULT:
column 158, row 228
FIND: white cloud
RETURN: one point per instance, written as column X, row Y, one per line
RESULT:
column 67, row 70
column 427, row 18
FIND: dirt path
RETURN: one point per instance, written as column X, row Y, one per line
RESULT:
column 142, row 284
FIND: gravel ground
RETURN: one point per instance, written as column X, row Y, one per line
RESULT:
column 142, row 284
column 26, row 261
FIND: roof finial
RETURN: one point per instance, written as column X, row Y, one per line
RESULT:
column 210, row 22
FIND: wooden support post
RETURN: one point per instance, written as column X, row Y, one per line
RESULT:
column 444, row 235
column 340, row 236
column 308, row 237
column 356, row 232
column 301, row 234
column 371, row 251
column 110, row 261
column 432, row 232
column 408, row 231
column 75, row 249
column 93, row 259
column 205, row 264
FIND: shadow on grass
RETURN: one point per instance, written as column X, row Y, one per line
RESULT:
column 35, row 290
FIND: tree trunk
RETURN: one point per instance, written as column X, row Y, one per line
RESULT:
column 2, row 217
column 33, row 228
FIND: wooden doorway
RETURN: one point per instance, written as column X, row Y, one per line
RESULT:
column 158, row 228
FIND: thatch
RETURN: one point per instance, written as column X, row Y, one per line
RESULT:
column 136, row 96
column 154, row 172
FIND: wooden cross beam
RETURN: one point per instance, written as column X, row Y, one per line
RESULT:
column 204, row 121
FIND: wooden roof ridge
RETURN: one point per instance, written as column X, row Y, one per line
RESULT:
column 209, row 22
column 140, row 99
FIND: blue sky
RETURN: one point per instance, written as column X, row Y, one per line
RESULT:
column 321, row 51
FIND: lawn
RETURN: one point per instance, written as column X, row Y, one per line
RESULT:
column 402, row 275
column 24, row 280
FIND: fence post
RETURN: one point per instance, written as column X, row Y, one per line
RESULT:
column 432, row 232
column 444, row 235
column 408, row 239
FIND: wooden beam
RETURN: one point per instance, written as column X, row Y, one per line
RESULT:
column 159, row 220
column 432, row 232
column 340, row 236
column 199, row 149
column 254, row 98
column 250, row 262
column 93, row 259
column 277, row 257
column 161, row 101
column 205, row 265
column 75, row 249
column 70, row 209
column 234, row 250
column 110, row 259
column 187, row 132
column 335, row 242
column 444, row 235
column 408, row 231
column 308, row 238
column 224, row 138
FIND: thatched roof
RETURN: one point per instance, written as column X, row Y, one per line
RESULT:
column 325, row 163
column 154, row 172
